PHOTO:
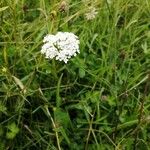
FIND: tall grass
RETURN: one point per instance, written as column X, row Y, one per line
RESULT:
column 98, row 100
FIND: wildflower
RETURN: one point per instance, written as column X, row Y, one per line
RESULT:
column 64, row 6
column 91, row 14
column 61, row 46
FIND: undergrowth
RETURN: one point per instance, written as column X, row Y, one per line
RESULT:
column 98, row 100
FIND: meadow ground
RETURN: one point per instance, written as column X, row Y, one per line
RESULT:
column 98, row 100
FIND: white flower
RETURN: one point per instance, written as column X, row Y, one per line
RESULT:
column 91, row 14
column 61, row 46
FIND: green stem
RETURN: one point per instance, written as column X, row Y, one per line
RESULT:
column 54, row 70
column 55, row 128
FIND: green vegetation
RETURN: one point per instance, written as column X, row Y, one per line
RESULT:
column 99, row 100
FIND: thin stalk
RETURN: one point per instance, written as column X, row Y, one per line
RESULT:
column 54, row 70
column 55, row 128
column 90, row 131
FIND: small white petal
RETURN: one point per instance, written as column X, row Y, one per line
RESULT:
column 61, row 46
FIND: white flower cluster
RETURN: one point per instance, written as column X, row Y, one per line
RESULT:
column 91, row 14
column 61, row 46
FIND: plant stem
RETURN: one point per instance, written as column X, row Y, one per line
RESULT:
column 55, row 128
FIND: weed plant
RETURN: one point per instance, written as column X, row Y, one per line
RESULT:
column 99, row 100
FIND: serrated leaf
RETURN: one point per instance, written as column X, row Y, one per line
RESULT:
column 13, row 131
column 61, row 117
column 13, row 128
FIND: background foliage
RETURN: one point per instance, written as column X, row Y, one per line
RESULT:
column 99, row 100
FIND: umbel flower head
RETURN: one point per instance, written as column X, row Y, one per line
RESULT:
column 91, row 14
column 61, row 46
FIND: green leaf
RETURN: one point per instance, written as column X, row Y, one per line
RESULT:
column 93, row 96
column 19, row 83
column 3, row 8
column 1, row 130
column 13, row 131
column 62, row 130
column 10, row 135
column 2, row 108
column 81, row 73
column 2, row 145
column 61, row 117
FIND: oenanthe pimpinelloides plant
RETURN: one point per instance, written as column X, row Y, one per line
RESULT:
column 61, row 46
